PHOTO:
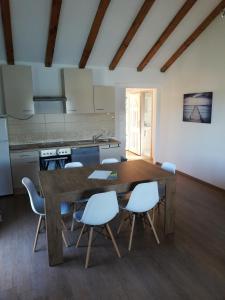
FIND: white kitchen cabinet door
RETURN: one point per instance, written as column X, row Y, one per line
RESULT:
column 104, row 99
column 78, row 90
column 24, row 164
column 17, row 89
column 109, row 151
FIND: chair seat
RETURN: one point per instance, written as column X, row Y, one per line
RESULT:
column 77, row 215
column 39, row 206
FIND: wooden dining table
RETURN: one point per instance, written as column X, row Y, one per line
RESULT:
column 73, row 184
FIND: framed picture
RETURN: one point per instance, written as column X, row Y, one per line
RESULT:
column 197, row 107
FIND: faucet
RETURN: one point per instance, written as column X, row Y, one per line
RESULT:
column 96, row 137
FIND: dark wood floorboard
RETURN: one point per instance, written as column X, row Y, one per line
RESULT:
column 187, row 265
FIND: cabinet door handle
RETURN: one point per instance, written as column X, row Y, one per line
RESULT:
column 72, row 110
column 99, row 109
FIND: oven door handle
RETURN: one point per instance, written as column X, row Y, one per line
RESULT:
column 56, row 158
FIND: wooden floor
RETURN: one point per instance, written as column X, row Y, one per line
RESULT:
column 188, row 265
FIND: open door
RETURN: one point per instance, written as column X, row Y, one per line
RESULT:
column 133, row 123
column 139, row 111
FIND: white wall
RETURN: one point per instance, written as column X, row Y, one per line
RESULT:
column 197, row 149
column 48, row 82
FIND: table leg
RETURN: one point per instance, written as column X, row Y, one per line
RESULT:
column 169, row 215
column 54, row 231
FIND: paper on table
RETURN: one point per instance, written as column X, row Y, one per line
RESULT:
column 99, row 174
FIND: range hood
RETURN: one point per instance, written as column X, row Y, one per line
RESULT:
column 49, row 104
column 49, row 98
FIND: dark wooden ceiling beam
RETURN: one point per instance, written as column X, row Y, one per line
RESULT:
column 103, row 5
column 131, row 33
column 53, row 27
column 194, row 35
column 7, row 30
column 166, row 33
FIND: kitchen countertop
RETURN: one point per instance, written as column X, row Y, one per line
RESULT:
column 60, row 144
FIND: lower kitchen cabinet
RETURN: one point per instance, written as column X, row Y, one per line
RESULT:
column 109, row 151
column 24, row 164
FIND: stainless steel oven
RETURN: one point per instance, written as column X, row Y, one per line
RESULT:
column 54, row 158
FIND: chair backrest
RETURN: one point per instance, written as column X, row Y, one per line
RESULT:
column 74, row 164
column 100, row 208
column 109, row 161
column 169, row 167
column 144, row 197
column 36, row 201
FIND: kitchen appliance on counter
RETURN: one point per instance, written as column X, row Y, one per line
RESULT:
column 54, row 158
column 5, row 166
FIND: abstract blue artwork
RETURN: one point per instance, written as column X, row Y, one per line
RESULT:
column 197, row 107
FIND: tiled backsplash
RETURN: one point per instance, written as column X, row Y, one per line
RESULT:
column 60, row 127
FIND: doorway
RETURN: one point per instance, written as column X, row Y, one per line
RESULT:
column 139, row 121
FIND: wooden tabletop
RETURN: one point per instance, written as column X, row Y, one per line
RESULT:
column 73, row 182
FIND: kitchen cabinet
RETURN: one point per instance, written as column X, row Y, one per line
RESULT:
column 78, row 90
column 104, row 99
column 17, row 90
column 110, row 151
column 24, row 164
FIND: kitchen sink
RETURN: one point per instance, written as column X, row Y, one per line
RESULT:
column 106, row 140
column 85, row 142
column 89, row 142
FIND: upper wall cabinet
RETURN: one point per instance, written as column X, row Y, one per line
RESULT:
column 17, row 90
column 104, row 99
column 78, row 90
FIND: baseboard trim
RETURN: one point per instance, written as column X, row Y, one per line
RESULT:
column 198, row 180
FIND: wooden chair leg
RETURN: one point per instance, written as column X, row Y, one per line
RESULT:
column 63, row 224
column 80, row 235
column 89, row 247
column 63, row 235
column 64, row 240
column 153, row 228
column 113, row 240
column 124, row 219
column 72, row 225
column 131, row 232
column 37, row 232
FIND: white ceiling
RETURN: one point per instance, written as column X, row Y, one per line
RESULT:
column 30, row 20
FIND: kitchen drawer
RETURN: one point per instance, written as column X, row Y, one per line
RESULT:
column 24, row 164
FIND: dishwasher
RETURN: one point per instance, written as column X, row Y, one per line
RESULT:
column 86, row 155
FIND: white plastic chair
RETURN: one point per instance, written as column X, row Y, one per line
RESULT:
column 70, row 165
column 37, row 205
column 168, row 166
column 99, row 211
column 74, row 164
column 109, row 161
column 143, row 198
